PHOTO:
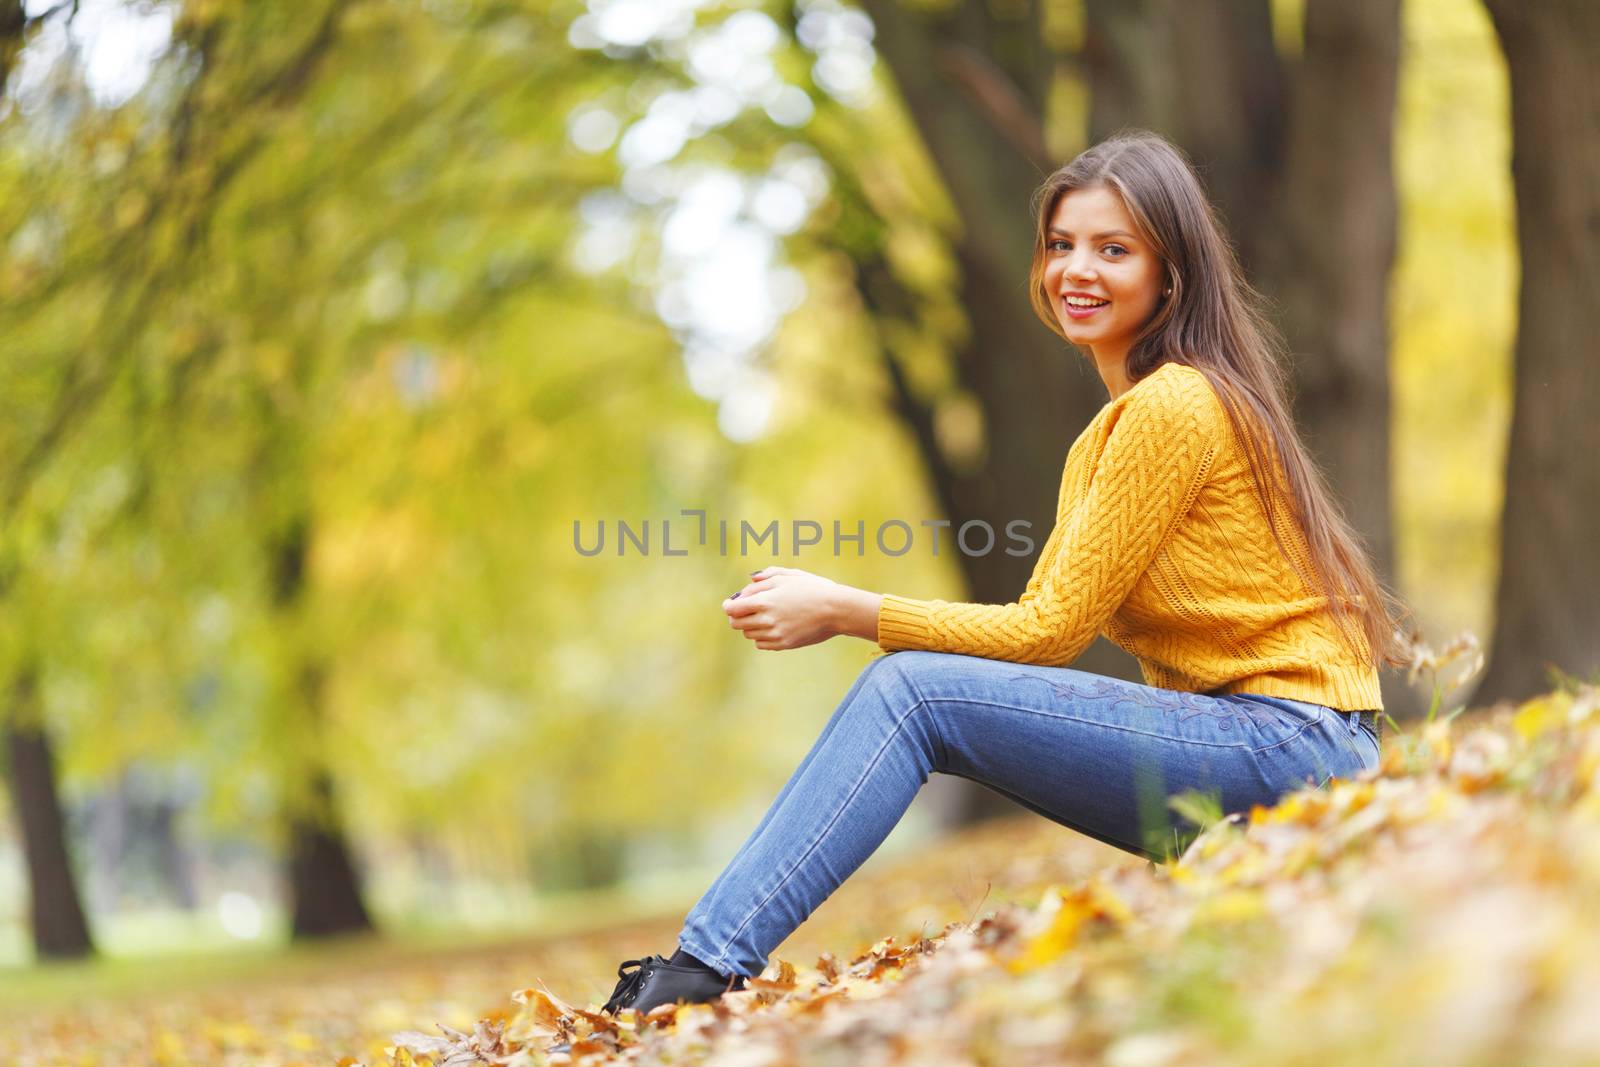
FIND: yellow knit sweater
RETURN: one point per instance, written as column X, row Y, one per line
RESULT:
column 1161, row 543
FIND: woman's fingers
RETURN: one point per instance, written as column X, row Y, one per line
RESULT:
column 749, row 613
column 741, row 607
column 756, row 585
column 761, row 631
column 754, row 626
column 749, row 621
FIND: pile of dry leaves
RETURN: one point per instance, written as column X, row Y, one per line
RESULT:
column 1440, row 910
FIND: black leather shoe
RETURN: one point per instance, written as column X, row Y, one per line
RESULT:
column 655, row 981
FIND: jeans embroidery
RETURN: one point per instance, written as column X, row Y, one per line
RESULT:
column 1186, row 705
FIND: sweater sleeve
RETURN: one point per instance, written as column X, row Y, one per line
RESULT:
column 1158, row 453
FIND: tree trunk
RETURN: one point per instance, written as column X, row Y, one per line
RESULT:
column 1127, row 89
column 324, row 886
column 1547, row 613
column 1234, row 113
column 1206, row 75
column 56, row 911
column 59, row 928
column 1329, row 268
column 13, row 27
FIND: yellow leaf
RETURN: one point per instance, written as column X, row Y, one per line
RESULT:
column 1299, row 857
column 1059, row 937
column 1084, row 904
column 1437, row 736
column 683, row 1013
column 1300, row 808
column 1353, row 796
column 541, row 1006
column 1233, row 905
column 1441, row 802
column 1248, row 867
column 169, row 1048
column 1539, row 715
column 1111, row 906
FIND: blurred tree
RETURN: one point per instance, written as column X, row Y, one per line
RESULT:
column 55, row 906
column 13, row 29
column 323, row 884
column 1547, row 613
column 315, row 288
column 146, row 330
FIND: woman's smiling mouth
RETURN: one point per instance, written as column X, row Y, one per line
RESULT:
column 1081, row 305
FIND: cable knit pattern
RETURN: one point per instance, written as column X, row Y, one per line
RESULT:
column 1160, row 543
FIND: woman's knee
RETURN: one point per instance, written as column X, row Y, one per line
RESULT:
column 898, row 685
column 909, row 664
column 882, row 676
column 902, row 675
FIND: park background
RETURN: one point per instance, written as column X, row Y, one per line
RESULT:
column 324, row 323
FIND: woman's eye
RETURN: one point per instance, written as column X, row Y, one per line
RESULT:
column 1116, row 250
column 1058, row 246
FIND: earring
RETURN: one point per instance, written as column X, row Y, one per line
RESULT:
column 1167, row 291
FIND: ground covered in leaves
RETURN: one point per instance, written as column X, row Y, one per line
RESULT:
column 313, row 1007
column 1442, row 910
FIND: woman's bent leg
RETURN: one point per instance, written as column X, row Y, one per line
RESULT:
column 778, row 804
column 1096, row 754
column 841, row 802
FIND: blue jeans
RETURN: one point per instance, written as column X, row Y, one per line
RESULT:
column 1095, row 754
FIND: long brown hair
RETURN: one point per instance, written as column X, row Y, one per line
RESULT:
column 1213, row 321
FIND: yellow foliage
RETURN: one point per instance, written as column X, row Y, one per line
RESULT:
column 1539, row 715
column 1230, row 906
column 1093, row 901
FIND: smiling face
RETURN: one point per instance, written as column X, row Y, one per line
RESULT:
column 1102, row 278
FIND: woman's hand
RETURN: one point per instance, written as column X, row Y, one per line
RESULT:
column 786, row 608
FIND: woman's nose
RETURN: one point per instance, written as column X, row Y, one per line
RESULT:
column 1078, row 268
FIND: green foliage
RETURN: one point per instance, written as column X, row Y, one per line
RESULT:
column 313, row 281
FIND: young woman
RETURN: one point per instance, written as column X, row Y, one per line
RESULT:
column 1192, row 529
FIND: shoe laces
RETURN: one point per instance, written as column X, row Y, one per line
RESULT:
column 630, row 982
